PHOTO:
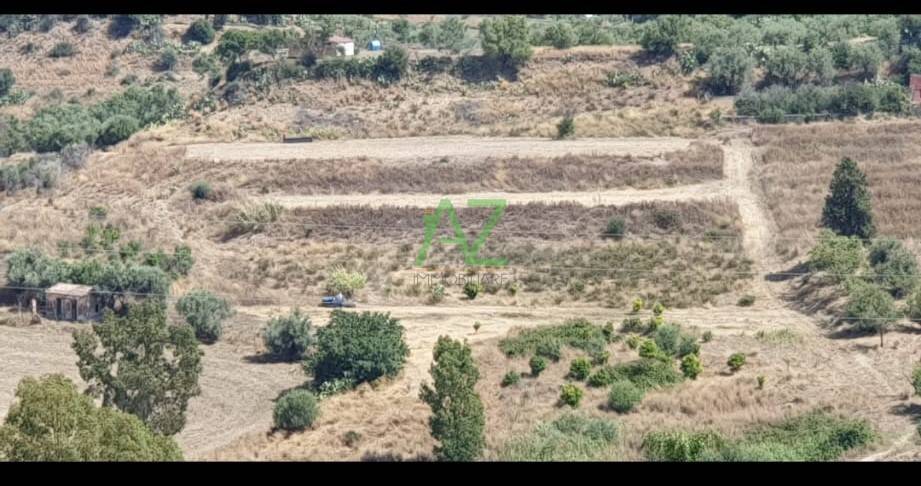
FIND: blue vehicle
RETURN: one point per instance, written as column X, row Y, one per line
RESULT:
column 337, row 301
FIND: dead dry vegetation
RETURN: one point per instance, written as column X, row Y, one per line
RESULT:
column 701, row 162
column 798, row 161
column 553, row 83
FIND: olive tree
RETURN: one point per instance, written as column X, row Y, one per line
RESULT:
column 141, row 365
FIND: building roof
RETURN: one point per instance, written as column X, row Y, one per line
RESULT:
column 338, row 39
column 70, row 289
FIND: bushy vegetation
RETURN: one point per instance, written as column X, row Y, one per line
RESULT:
column 735, row 362
column 235, row 43
column 62, row 49
column 624, row 396
column 729, row 70
column 296, row 410
column 691, row 366
column 580, row 368
column 570, row 437
column 571, row 395
column 201, row 190
column 506, row 39
column 56, row 127
column 566, row 128
column 289, row 337
column 52, row 421
column 893, row 266
column 114, row 279
column 537, row 364
column 869, row 308
column 576, row 333
column 205, row 312
column 141, row 365
column 837, row 256
column 7, row 80
column 511, row 378
column 458, row 419
column 645, row 373
column 254, row 218
column 358, row 348
column 810, row 100
column 472, row 289
column 815, row 436
column 345, row 281
column 200, row 31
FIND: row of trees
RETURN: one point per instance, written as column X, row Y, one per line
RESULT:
column 53, row 128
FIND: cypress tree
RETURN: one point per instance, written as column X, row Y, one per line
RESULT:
column 458, row 419
column 848, row 208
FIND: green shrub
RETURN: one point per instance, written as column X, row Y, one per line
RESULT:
column 537, row 364
column 507, row 39
column 616, row 228
column 566, row 128
column 644, row 373
column 914, row 305
column 200, row 31
column 55, row 127
column 638, row 304
column 254, row 218
column 680, row 446
column 62, row 49
column 570, row 395
column 344, row 281
column 296, row 410
column 201, row 190
column 839, row 256
column 289, row 337
column 691, row 366
column 560, row 35
column 736, row 361
column 625, row 79
column 116, row 129
column 7, row 80
column 729, row 70
column 167, row 61
column 511, row 378
column 550, row 349
column 707, row 336
column 649, row 349
column 632, row 324
column 869, row 308
column 746, row 301
column 576, row 333
column 894, row 267
column 916, row 379
column 661, row 36
column 472, row 289
column 205, row 313
column 624, row 396
column 358, row 347
column 82, row 24
column 634, row 341
column 579, row 369
column 568, row 438
column 392, row 65
column 436, row 293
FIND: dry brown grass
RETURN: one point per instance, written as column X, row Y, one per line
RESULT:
column 701, row 162
column 797, row 165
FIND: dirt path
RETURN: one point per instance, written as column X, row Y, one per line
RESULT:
column 433, row 148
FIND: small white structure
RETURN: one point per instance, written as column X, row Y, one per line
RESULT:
column 343, row 46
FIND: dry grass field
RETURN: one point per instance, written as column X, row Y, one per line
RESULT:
column 797, row 163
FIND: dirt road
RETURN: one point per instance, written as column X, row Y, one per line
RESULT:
column 433, row 148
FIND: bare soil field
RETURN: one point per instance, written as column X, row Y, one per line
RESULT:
column 796, row 167
column 430, row 149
